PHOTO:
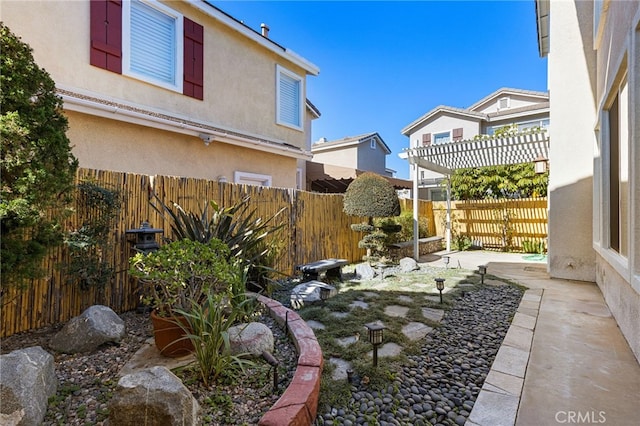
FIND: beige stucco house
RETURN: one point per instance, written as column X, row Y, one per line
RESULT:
column 173, row 88
column 593, row 50
column 445, row 124
column 336, row 163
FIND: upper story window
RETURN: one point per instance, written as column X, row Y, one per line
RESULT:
column 373, row 144
column 440, row 138
column 149, row 41
column 151, row 50
column 289, row 100
column 504, row 103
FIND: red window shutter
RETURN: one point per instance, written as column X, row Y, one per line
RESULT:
column 457, row 134
column 426, row 139
column 106, row 34
column 193, row 84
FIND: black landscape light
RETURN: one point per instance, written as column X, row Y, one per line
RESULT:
column 482, row 270
column 375, row 338
column 440, row 286
column 446, row 261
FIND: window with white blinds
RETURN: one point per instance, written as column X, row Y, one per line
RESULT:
column 152, row 43
column 289, row 98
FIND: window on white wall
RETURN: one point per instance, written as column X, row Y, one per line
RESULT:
column 289, row 100
column 373, row 144
column 251, row 178
column 152, row 43
column 440, row 138
column 618, row 177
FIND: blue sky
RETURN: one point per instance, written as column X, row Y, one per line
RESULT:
column 385, row 63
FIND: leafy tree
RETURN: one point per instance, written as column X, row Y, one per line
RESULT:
column 506, row 181
column 37, row 167
column 371, row 195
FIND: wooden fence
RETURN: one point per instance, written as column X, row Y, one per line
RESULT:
column 315, row 228
column 498, row 224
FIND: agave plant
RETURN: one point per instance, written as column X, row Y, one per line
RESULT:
column 241, row 229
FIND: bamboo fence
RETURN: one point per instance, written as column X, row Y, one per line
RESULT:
column 315, row 227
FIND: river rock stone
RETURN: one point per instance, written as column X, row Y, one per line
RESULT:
column 27, row 381
column 153, row 396
column 408, row 264
column 96, row 326
column 252, row 338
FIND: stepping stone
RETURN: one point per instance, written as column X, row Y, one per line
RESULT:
column 466, row 285
column 416, row 330
column 396, row 311
column 339, row 315
column 316, row 325
column 387, row 350
column 346, row 341
column 309, row 292
column 405, row 299
column 433, row 298
column 359, row 304
column 495, row 283
column 370, row 294
column 433, row 314
column 341, row 367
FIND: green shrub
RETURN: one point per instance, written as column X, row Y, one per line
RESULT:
column 37, row 166
column 529, row 246
column 251, row 240
column 405, row 221
column 371, row 195
column 207, row 326
column 183, row 272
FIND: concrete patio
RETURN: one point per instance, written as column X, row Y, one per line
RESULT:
column 563, row 361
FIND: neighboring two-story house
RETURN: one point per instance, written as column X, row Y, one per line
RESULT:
column 336, row 163
column 172, row 88
column 445, row 124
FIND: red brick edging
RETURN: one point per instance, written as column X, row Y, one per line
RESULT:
column 298, row 405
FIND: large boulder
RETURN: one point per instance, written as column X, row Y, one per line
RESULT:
column 364, row 271
column 408, row 264
column 96, row 326
column 27, row 380
column 252, row 338
column 152, row 397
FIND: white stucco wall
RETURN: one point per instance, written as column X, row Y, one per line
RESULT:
column 571, row 82
column 445, row 122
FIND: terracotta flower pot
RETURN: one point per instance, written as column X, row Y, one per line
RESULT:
column 170, row 338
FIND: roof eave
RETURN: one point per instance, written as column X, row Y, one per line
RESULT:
column 232, row 23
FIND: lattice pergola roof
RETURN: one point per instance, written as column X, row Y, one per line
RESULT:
column 446, row 158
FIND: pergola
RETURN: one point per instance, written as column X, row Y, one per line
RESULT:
column 483, row 152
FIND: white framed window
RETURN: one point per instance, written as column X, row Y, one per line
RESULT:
column 442, row 137
column 289, row 100
column 251, row 178
column 373, row 144
column 152, row 48
column 618, row 189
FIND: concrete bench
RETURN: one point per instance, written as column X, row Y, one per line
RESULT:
column 331, row 268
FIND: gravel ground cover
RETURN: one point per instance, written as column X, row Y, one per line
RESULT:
column 440, row 385
column 86, row 382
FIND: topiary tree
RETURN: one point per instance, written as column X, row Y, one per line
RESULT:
column 37, row 167
column 371, row 195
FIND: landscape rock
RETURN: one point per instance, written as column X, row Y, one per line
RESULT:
column 153, row 397
column 364, row 271
column 309, row 292
column 96, row 326
column 27, row 381
column 408, row 264
column 252, row 338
